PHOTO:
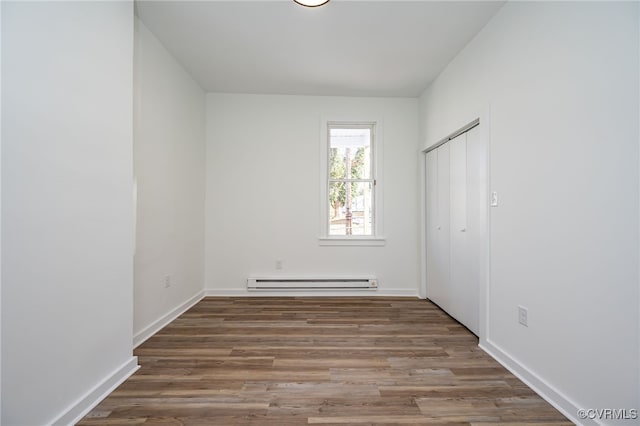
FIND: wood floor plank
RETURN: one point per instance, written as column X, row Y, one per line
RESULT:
column 332, row 361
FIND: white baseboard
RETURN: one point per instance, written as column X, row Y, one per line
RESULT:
column 164, row 320
column 547, row 391
column 86, row 403
column 214, row 292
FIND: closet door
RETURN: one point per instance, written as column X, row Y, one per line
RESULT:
column 458, row 283
column 476, row 225
column 456, row 226
column 438, row 241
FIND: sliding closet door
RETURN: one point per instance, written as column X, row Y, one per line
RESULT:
column 458, row 286
column 438, row 239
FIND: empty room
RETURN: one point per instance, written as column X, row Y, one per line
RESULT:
column 345, row 212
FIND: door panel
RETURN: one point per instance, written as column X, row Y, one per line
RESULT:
column 476, row 224
column 438, row 262
column 458, row 286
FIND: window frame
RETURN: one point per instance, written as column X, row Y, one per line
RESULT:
column 377, row 238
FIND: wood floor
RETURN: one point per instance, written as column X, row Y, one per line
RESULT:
column 330, row 361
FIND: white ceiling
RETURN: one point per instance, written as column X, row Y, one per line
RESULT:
column 345, row 48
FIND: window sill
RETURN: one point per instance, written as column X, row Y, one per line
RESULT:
column 352, row 241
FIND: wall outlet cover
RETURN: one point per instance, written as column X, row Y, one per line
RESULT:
column 523, row 314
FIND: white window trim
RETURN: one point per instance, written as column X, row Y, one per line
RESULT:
column 377, row 239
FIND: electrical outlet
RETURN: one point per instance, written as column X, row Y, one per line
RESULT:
column 278, row 264
column 167, row 281
column 522, row 315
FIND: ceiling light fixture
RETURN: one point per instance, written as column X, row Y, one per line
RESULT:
column 311, row 3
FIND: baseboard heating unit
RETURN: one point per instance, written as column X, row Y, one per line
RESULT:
column 277, row 283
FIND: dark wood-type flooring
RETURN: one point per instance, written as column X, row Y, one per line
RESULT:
column 331, row 361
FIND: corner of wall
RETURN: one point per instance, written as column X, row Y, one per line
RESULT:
column 76, row 411
column 157, row 325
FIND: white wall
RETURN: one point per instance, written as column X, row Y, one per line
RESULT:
column 66, row 211
column 263, row 183
column 169, row 164
column 561, row 80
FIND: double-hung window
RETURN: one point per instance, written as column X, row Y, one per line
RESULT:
column 351, row 212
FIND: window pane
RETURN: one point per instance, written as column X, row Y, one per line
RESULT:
column 350, row 208
column 350, row 153
column 337, row 163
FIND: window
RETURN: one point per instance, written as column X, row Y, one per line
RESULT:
column 350, row 196
column 351, row 180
